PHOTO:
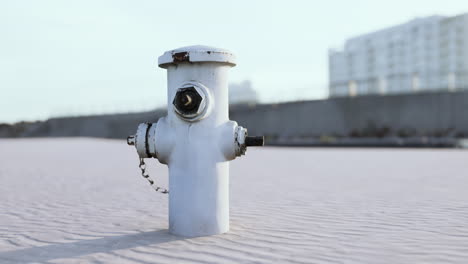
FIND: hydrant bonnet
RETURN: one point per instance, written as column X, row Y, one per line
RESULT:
column 197, row 53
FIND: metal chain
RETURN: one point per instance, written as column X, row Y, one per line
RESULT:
column 145, row 175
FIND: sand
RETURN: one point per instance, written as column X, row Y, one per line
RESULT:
column 83, row 201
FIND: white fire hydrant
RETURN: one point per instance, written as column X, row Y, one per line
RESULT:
column 196, row 139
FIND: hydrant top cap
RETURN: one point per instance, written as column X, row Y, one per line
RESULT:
column 196, row 53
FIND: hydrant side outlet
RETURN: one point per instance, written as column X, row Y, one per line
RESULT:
column 196, row 139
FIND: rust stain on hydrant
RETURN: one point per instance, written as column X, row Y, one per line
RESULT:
column 180, row 57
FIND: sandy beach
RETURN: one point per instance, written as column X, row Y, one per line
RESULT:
column 83, row 200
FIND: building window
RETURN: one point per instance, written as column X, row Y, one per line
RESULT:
column 382, row 85
column 415, row 82
column 352, row 86
column 451, row 81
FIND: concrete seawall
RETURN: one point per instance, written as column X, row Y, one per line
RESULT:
column 440, row 115
column 428, row 114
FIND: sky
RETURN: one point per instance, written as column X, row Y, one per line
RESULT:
column 60, row 58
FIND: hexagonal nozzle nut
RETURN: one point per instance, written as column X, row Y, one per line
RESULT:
column 187, row 102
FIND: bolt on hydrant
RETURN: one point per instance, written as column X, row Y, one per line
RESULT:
column 196, row 139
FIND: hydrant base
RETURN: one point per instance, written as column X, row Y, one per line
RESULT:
column 183, row 234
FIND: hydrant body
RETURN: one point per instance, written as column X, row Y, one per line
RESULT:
column 196, row 139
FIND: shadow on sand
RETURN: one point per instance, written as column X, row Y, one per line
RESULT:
column 86, row 247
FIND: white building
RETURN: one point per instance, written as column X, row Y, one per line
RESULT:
column 424, row 54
